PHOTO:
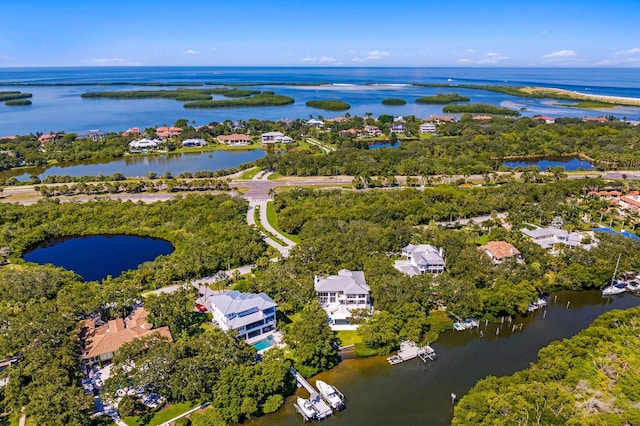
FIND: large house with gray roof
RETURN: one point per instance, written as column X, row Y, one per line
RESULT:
column 249, row 314
column 549, row 237
column 342, row 293
column 420, row 259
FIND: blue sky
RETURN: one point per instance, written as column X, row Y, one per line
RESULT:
column 328, row 33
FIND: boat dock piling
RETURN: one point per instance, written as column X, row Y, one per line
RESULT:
column 322, row 409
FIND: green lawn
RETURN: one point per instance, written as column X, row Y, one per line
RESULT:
column 162, row 416
column 250, row 174
column 348, row 337
column 274, row 176
column 273, row 221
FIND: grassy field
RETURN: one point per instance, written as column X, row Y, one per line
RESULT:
column 161, row 416
column 272, row 217
column 274, row 176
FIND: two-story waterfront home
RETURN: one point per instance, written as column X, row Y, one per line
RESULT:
column 145, row 143
column 342, row 293
column 428, row 128
column 249, row 314
column 420, row 259
column 275, row 137
column 102, row 341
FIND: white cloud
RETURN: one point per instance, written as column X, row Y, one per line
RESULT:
column 106, row 62
column 633, row 51
column 560, row 54
column 190, row 52
column 464, row 61
column 377, row 54
column 322, row 59
column 492, row 58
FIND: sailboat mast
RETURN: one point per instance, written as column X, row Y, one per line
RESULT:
column 615, row 271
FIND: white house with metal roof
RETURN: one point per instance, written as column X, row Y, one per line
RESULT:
column 420, row 259
column 275, row 137
column 548, row 237
column 342, row 293
column 249, row 314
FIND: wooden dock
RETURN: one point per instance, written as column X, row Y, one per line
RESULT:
column 410, row 350
column 322, row 409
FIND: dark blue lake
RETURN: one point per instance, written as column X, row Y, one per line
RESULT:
column 569, row 163
column 94, row 257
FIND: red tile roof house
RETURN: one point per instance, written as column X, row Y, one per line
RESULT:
column 101, row 342
column 439, row 119
column 548, row 120
column 48, row 138
column 499, row 251
column 235, row 140
column 595, row 119
column 167, row 132
column 630, row 202
column 131, row 131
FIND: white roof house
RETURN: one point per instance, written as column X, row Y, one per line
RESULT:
column 420, row 259
column 275, row 137
column 249, row 314
column 548, row 237
column 339, row 294
column 314, row 122
column 427, row 128
column 145, row 143
column 194, row 142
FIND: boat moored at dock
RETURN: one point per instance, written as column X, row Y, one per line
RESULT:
column 330, row 394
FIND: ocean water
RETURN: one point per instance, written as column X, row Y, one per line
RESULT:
column 60, row 107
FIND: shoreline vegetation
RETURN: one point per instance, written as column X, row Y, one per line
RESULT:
column 202, row 98
column 442, row 98
column 15, row 98
column 328, row 105
column 177, row 94
column 480, row 109
column 541, row 93
column 581, row 380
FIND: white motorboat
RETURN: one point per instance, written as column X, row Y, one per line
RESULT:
column 331, row 395
column 306, row 408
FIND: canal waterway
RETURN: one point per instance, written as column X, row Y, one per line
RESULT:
column 140, row 165
column 94, row 257
column 415, row 393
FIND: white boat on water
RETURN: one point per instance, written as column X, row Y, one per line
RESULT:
column 306, row 408
column 614, row 289
column 331, row 395
column 633, row 285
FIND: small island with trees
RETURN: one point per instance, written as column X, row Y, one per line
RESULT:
column 442, row 98
column 15, row 98
column 328, row 105
column 393, row 101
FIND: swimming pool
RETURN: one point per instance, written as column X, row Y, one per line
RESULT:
column 261, row 345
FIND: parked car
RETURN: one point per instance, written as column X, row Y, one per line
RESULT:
column 200, row 307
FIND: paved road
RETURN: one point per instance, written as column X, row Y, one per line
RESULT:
column 283, row 249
